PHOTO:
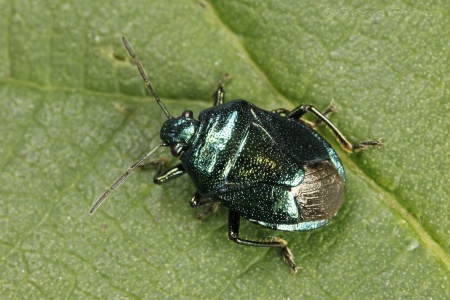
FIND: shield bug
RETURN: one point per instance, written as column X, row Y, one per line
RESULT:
column 270, row 167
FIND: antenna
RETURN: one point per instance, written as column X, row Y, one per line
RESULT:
column 144, row 76
column 119, row 180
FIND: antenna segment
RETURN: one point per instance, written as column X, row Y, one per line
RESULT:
column 144, row 76
column 119, row 180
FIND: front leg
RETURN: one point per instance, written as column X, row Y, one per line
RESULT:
column 219, row 94
column 161, row 175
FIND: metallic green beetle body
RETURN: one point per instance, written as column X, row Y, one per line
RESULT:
column 267, row 168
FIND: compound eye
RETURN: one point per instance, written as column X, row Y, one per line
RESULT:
column 188, row 114
column 176, row 149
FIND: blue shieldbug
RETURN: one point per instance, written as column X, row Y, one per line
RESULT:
column 270, row 167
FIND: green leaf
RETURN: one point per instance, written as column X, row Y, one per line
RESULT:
column 75, row 115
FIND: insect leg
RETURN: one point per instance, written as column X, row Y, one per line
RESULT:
column 211, row 206
column 219, row 94
column 281, row 111
column 161, row 175
column 345, row 144
column 284, row 112
column 330, row 109
column 233, row 234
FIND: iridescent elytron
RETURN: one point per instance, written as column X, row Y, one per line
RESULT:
column 270, row 167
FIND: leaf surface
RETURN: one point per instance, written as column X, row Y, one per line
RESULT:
column 75, row 115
